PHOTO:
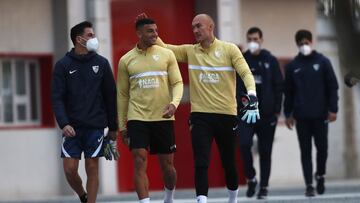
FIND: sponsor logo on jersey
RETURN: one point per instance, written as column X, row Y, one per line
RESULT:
column 95, row 69
column 209, row 78
column 148, row 83
column 297, row 70
column 72, row 71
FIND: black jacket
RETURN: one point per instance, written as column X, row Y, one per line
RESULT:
column 84, row 92
column 269, row 82
column 311, row 87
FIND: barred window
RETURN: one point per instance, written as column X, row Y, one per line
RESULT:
column 19, row 92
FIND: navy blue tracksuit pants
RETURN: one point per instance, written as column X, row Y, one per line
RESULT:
column 306, row 130
column 265, row 131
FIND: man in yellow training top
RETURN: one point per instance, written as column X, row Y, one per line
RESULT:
column 212, row 76
column 150, row 88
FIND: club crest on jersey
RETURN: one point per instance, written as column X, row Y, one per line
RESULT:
column 156, row 57
column 217, row 54
column 95, row 69
column 316, row 67
column 267, row 65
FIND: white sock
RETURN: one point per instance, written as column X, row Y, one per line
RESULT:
column 201, row 199
column 233, row 195
column 145, row 200
column 169, row 195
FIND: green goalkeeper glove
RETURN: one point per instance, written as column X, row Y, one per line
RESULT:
column 110, row 149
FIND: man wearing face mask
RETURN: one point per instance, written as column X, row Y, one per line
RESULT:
column 311, row 102
column 84, row 103
column 269, row 87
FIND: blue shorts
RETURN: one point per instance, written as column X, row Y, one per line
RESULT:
column 86, row 140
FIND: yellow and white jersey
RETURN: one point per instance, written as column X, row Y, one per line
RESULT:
column 212, row 75
column 147, row 81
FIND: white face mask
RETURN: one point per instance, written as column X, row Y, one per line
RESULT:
column 253, row 47
column 305, row 50
column 92, row 44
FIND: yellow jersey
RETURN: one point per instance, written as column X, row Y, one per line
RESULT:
column 212, row 75
column 147, row 81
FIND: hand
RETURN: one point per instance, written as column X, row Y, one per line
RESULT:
column 331, row 117
column 68, row 131
column 250, row 110
column 125, row 138
column 112, row 135
column 169, row 111
column 110, row 149
column 350, row 80
column 290, row 122
column 140, row 17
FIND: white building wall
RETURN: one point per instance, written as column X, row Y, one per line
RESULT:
column 327, row 45
column 229, row 18
column 100, row 16
column 30, row 163
column 26, row 26
column 279, row 20
column 76, row 13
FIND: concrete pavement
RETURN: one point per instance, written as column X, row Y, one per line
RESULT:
column 337, row 192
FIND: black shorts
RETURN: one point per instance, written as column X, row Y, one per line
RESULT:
column 156, row 136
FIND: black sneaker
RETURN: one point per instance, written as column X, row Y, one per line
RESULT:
column 310, row 191
column 83, row 198
column 251, row 188
column 320, row 184
column 262, row 194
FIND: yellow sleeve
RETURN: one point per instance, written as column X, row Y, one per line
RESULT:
column 122, row 85
column 179, row 50
column 242, row 68
column 175, row 80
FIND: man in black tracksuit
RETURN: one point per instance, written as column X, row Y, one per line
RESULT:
column 269, row 88
column 84, row 103
column 311, row 98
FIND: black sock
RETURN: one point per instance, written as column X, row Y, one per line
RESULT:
column 83, row 198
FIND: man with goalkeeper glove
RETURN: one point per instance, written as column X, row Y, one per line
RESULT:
column 84, row 103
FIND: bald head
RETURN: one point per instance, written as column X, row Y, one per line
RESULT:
column 203, row 28
column 205, row 18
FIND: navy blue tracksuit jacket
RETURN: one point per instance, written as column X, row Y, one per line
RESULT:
column 84, row 92
column 311, row 88
column 269, row 82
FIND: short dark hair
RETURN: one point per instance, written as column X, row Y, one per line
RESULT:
column 145, row 21
column 79, row 30
column 253, row 30
column 301, row 35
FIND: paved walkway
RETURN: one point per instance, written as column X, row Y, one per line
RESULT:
column 337, row 192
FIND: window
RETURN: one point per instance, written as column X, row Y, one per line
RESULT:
column 19, row 92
